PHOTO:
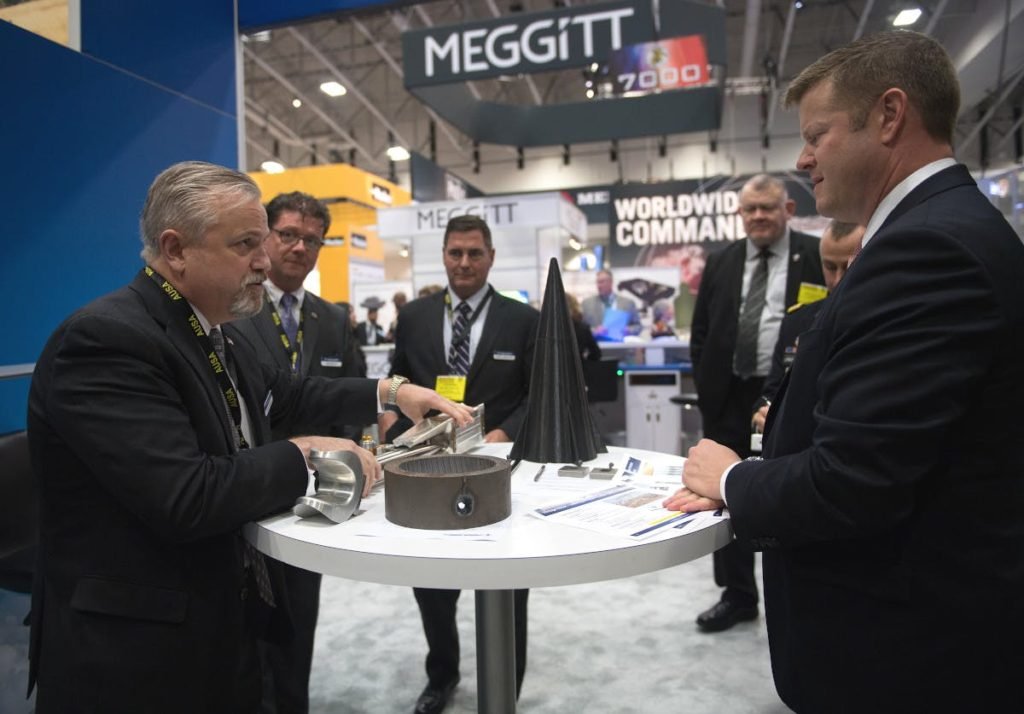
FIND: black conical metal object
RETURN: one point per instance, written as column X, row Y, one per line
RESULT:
column 558, row 427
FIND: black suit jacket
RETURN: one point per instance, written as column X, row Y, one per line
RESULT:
column 363, row 334
column 716, row 313
column 140, row 600
column 329, row 349
column 499, row 376
column 793, row 325
column 891, row 507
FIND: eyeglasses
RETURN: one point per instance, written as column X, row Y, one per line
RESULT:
column 291, row 238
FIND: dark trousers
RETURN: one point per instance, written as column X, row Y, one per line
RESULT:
column 734, row 564
column 437, row 609
column 286, row 665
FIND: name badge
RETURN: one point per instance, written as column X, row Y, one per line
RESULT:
column 268, row 402
column 330, row 361
column 809, row 292
column 505, row 356
column 451, row 386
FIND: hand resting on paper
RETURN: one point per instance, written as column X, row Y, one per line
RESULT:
column 702, row 474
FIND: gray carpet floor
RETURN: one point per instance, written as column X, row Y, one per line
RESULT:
column 617, row 647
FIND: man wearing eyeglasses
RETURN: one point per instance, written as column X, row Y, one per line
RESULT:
column 475, row 346
column 302, row 332
column 743, row 296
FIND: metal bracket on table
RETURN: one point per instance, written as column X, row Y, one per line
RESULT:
column 435, row 435
column 340, row 474
column 340, row 486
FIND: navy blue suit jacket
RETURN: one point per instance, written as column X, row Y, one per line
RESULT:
column 890, row 505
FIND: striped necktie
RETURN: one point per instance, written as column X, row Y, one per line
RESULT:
column 745, row 359
column 291, row 328
column 458, row 353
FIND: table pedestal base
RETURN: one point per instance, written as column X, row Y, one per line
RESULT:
column 495, row 652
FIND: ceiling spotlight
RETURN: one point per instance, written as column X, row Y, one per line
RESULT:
column 594, row 66
column 798, row 5
column 296, row 102
column 333, row 89
column 907, row 17
column 590, row 93
column 398, row 153
column 272, row 167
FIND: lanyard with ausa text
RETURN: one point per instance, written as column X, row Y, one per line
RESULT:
column 219, row 369
column 292, row 352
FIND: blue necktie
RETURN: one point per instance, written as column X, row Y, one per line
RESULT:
column 458, row 353
column 291, row 328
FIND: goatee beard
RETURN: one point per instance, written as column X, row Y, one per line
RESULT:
column 248, row 302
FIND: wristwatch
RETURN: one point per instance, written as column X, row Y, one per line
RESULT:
column 396, row 382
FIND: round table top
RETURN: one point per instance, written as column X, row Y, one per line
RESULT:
column 519, row 552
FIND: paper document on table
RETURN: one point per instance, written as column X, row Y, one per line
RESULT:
column 620, row 510
column 662, row 476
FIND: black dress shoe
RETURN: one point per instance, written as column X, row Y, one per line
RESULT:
column 724, row 615
column 433, row 700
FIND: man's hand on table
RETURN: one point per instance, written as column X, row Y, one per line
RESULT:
column 702, row 474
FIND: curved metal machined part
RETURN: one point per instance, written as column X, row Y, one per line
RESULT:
column 340, row 486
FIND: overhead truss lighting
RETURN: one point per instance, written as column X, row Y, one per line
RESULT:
column 907, row 17
column 333, row 89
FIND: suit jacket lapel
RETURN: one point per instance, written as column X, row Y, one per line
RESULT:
column 795, row 271
column 310, row 332
column 942, row 181
column 492, row 324
column 184, row 340
column 435, row 333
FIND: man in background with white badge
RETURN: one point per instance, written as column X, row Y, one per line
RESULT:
column 474, row 346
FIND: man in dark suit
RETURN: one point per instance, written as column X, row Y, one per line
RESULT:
column 297, row 331
column 369, row 332
column 481, row 343
column 743, row 295
column 889, row 502
column 839, row 243
column 151, row 440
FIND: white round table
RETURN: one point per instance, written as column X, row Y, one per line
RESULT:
column 519, row 552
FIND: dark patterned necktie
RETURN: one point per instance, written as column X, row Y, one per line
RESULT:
column 291, row 328
column 745, row 360
column 458, row 353
column 252, row 558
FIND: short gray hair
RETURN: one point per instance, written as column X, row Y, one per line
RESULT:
column 767, row 182
column 187, row 197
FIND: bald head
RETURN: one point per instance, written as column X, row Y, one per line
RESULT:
column 839, row 243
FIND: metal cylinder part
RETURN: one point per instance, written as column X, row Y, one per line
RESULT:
column 447, row 491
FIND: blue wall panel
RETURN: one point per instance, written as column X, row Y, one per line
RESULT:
column 82, row 142
column 185, row 45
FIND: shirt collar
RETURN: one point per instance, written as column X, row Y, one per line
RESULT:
column 275, row 293
column 473, row 300
column 202, row 319
column 901, row 191
column 778, row 248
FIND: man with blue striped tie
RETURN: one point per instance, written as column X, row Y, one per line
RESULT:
column 476, row 346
